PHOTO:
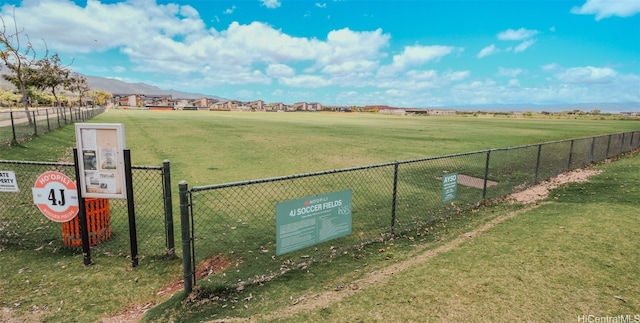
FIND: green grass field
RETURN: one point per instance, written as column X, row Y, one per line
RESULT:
column 217, row 147
column 209, row 147
column 573, row 256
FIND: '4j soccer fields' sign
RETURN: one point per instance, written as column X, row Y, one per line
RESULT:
column 311, row 220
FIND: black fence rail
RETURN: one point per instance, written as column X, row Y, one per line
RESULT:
column 19, row 125
column 22, row 223
column 234, row 225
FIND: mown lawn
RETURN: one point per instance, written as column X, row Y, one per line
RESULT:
column 573, row 256
column 209, row 147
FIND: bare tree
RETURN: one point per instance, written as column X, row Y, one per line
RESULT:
column 19, row 60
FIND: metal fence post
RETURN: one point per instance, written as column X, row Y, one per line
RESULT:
column 486, row 175
column 593, row 148
column 535, row 179
column 394, row 198
column 168, row 210
column 570, row 155
column 13, row 127
column 48, row 124
column 35, row 123
column 188, row 274
column 131, row 210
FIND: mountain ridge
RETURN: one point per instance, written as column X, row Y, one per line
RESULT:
column 116, row 86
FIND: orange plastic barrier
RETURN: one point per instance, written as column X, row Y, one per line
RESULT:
column 98, row 223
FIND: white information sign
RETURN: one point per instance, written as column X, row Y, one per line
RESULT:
column 8, row 182
column 101, row 159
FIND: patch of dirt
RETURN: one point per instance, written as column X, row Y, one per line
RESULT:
column 210, row 266
column 476, row 182
column 541, row 191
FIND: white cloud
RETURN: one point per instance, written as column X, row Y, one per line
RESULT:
column 350, row 67
column 587, row 74
column 271, row 4
column 347, row 51
column 321, row 5
column 455, row 76
column 520, row 34
column 280, row 70
column 551, row 67
column 229, row 10
column 306, row 81
column 608, row 8
column 95, row 28
column 510, row 72
column 489, row 50
column 524, row 45
column 418, row 55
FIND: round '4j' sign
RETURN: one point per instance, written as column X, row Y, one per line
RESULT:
column 56, row 196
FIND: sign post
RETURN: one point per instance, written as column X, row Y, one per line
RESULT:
column 82, row 220
column 103, row 171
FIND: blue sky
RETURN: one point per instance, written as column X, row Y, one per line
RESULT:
column 352, row 52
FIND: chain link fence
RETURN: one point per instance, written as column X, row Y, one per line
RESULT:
column 22, row 223
column 19, row 125
column 232, row 227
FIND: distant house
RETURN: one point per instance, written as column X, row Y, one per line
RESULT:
column 400, row 112
column 438, row 112
column 141, row 100
column 315, row 106
column 279, row 106
column 181, row 103
column 257, row 105
column 203, row 103
column 227, row 105
column 300, row 106
column 306, row 106
column 127, row 100
column 417, row 111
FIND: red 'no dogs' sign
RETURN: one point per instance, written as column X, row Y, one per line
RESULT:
column 56, row 196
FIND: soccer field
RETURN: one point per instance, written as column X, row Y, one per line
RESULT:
column 207, row 147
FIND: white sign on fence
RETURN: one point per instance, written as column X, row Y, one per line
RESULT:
column 8, row 182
